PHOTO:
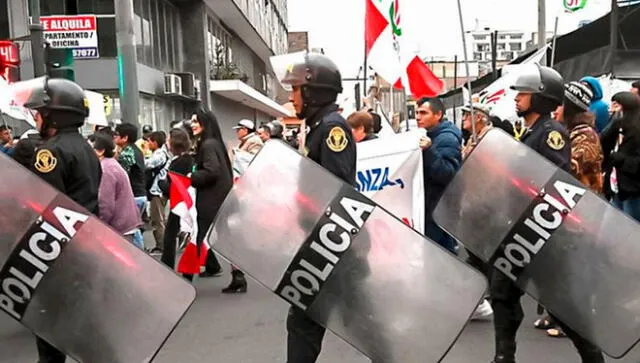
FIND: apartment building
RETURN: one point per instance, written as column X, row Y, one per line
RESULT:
column 214, row 52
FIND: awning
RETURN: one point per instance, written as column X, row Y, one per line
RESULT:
column 240, row 92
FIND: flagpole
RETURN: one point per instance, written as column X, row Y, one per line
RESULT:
column 553, row 47
column 364, row 86
column 466, row 63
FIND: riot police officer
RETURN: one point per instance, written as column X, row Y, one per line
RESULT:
column 315, row 83
column 541, row 91
column 64, row 159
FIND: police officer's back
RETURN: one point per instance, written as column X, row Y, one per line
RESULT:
column 63, row 159
column 316, row 82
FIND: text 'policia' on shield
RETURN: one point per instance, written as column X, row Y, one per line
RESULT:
column 73, row 281
column 349, row 264
column 559, row 242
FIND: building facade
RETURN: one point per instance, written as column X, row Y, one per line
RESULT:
column 210, row 52
column 510, row 45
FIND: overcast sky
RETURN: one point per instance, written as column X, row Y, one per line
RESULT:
column 432, row 25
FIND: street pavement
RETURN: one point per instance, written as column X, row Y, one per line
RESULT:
column 250, row 328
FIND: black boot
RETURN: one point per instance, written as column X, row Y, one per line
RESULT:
column 238, row 283
column 505, row 352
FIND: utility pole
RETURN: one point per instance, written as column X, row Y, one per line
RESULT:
column 613, row 42
column 494, row 54
column 542, row 27
column 127, row 67
column 37, row 44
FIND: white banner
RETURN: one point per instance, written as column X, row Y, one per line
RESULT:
column 390, row 173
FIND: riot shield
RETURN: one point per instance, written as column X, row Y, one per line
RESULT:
column 353, row 267
column 75, row 282
column 559, row 242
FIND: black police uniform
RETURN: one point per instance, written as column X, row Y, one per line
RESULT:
column 550, row 139
column 330, row 144
column 65, row 160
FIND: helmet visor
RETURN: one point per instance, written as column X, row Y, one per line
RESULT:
column 528, row 78
column 30, row 94
column 290, row 69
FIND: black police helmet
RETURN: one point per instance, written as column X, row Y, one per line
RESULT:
column 147, row 129
column 65, row 95
column 317, row 71
column 546, row 82
column 61, row 102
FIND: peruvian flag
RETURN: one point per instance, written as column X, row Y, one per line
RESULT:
column 383, row 35
column 182, row 198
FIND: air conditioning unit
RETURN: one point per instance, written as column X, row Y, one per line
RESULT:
column 188, row 84
column 172, row 84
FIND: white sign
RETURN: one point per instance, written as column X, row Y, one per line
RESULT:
column 77, row 32
column 97, row 115
column 390, row 173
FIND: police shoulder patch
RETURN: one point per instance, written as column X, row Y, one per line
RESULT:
column 555, row 140
column 337, row 139
column 45, row 161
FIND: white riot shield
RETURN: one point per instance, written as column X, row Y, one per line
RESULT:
column 75, row 282
column 353, row 267
column 562, row 244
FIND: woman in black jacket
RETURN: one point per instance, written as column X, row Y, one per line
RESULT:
column 212, row 177
column 621, row 146
column 181, row 163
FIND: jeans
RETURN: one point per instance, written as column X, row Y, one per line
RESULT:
column 631, row 207
column 138, row 239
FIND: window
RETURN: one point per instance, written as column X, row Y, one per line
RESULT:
column 171, row 51
column 148, row 40
column 107, row 46
column 96, row 6
column 477, row 56
column 156, row 19
column 516, row 36
column 219, row 42
column 515, row 46
column 479, row 37
column 50, row 7
column 162, row 39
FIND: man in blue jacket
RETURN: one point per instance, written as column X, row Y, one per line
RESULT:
column 598, row 107
column 441, row 158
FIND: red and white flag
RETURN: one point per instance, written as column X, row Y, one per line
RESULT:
column 182, row 198
column 383, row 39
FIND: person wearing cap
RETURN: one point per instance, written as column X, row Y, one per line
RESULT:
column 586, row 151
column 142, row 143
column 540, row 91
column 482, row 122
column 249, row 140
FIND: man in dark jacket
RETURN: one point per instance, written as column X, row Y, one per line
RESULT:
column 441, row 158
column 64, row 159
